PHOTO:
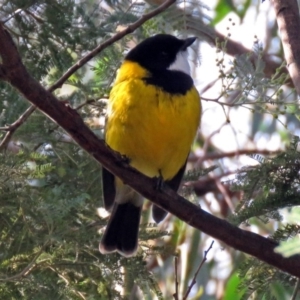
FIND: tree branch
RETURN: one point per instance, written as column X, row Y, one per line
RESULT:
column 2, row 72
column 166, row 198
column 28, row 268
column 288, row 21
column 220, row 155
column 14, row 126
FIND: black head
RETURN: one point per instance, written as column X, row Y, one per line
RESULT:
column 158, row 52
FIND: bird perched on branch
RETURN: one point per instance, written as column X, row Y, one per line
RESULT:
column 152, row 119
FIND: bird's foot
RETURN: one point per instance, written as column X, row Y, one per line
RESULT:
column 159, row 182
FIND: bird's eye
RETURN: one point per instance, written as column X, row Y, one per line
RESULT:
column 164, row 55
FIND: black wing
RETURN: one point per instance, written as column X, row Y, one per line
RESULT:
column 108, row 188
column 158, row 213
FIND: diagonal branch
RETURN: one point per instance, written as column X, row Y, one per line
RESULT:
column 220, row 155
column 28, row 268
column 66, row 117
column 14, row 126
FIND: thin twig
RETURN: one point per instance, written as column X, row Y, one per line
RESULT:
column 176, row 279
column 296, row 290
column 129, row 29
column 212, row 156
column 197, row 272
column 89, row 101
column 14, row 126
column 28, row 268
column 34, row 16
column 16, row 12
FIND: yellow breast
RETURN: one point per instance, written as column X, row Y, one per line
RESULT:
column 151, row 127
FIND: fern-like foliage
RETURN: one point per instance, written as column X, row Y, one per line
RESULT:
column 49, row 241
column 272, row 185
column 259, row 279
column 268, row 188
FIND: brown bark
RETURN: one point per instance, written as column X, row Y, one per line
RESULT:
column 288, row 20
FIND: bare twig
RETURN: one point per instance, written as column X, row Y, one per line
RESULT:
column 14, row 126
column 28, row 268
column 88, row 101
column 288, row 20
column 212, row 156
column 12, row 15
column 197, row 272
column 296, row 290
column 34, row 16
column 175, row 295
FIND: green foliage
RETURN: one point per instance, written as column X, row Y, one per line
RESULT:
column 107, row 63
column 265, row 281
column 223, row 8
column 49, row 241
column 194, row 174
column 268, row 187
column 247, row 86
column 291, row 246
column 231, row 288
column 187, row 17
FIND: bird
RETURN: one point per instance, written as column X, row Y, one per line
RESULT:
column 152, row 118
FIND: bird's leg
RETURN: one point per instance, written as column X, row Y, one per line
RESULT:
column 125, row 159
column 160, row 183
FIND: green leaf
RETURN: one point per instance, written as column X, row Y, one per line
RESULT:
column 278, row 291
column 231, row 291
column 289, row 248
column 223, row 8
column 294, row 215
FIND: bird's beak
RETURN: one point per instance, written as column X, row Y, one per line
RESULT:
column 188, row 42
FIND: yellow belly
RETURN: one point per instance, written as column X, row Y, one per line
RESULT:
column 152, row 128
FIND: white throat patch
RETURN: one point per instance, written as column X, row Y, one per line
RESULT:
column 181, row 63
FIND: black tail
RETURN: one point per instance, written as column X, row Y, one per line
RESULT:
column 121, row 233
